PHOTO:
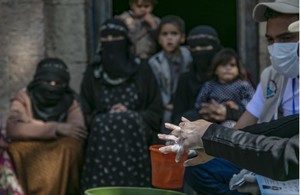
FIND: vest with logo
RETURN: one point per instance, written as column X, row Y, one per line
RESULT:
column 273, row 86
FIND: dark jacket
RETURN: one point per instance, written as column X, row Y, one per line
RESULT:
column 274, row 153
column 150, row 106
column 185, row 96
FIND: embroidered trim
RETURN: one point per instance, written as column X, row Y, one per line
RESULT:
column 205, row 36
column 113, row 81
column 113, row 26
column 54, row 65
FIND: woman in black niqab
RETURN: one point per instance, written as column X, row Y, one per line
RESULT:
column 122, row 105
column 190, row 83
column 115, row 55
column 49, row 90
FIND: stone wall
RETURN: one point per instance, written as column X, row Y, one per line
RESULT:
column 33, row 29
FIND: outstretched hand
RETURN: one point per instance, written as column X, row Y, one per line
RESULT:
column 186, row 136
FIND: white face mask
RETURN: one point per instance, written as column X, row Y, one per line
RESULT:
column 285, row 59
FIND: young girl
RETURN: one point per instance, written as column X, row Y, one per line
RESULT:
column 173, row 60
column 227, row 86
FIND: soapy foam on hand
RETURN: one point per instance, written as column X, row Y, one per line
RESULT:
column 175, row 148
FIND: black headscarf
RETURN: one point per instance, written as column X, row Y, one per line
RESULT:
column 51, row 102
column 115, row 55
column 203, row 35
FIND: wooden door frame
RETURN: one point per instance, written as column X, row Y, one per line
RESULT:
column 248, row 38
column 98, row 12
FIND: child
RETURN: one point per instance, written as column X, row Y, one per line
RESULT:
column 226, row 86
column 169, row 63
column 141, row 24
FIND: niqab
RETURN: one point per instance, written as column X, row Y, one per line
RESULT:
column 203, row 36
column 51, row 102
column 115, row 54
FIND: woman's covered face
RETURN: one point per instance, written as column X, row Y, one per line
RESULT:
column 112, row 38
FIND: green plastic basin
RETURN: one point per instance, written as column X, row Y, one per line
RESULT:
column 129, row 191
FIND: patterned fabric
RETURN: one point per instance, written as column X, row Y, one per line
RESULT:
column 9, row 184
column 203, row 36
column 239, row 91
column 117, row 151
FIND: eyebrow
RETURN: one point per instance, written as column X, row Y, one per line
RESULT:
column 281, row 35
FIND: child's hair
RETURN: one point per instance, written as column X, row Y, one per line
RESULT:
column 172, row 19
column 223, row 57
column 153, row 2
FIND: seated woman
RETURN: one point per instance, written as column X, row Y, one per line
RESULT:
column 47, row 131
column 123, row 107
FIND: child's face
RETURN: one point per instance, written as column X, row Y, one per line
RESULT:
column 170, row 38
column 141, row 8
column 227, row 72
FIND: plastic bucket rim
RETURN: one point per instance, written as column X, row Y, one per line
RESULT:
column 155, row 148
column 132, row 188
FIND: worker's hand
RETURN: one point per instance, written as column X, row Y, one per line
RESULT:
column 186, row 136
column 250, row 185
column 245, row 182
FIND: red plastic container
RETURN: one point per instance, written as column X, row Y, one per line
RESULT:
column 166, row 173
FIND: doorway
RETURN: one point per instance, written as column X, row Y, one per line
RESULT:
column 221, row 15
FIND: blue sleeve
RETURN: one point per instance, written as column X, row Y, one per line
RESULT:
column 203, row 95
column 247, row 93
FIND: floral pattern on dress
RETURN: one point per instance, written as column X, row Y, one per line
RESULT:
column 9, row 184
